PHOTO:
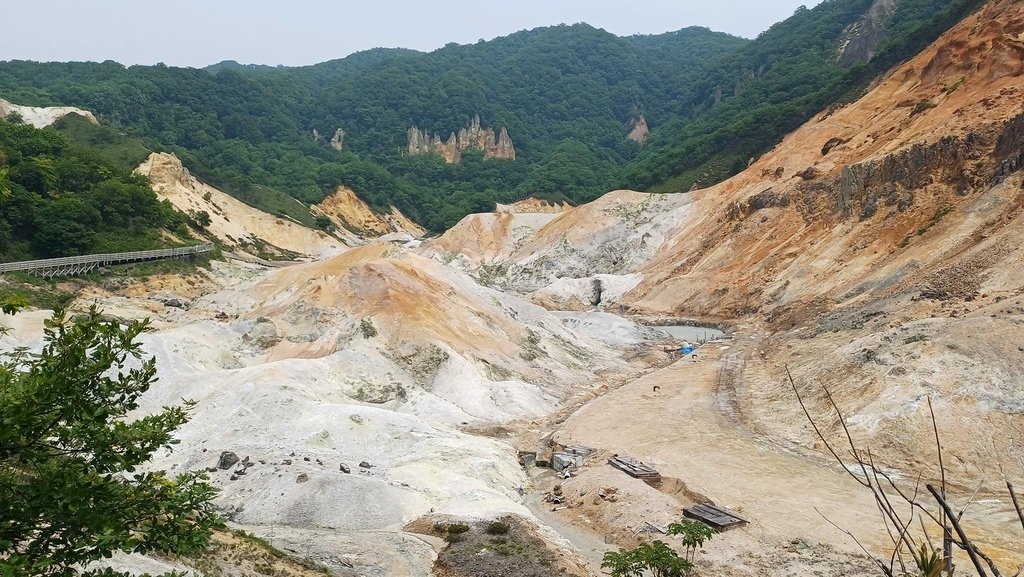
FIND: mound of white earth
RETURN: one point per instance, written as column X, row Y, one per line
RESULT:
column 41, row 116
column 233, row 222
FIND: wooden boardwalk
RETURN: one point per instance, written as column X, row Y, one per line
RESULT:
column 76, row 265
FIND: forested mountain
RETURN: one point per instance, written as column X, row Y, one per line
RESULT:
column 565, row 94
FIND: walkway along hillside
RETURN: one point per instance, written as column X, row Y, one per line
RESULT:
column 76, row 265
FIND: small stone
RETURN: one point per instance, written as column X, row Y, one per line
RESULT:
column 263, row 462
column 211, row 469
column 234, row 477
column 344, row 468
column 305, row 458
column 302, row 478
column 356, row 418
column 286, row 462
column 319, row 462
column 227, row 460
column 365, row 465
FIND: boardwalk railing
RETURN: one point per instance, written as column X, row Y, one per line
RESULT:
column 74, row 265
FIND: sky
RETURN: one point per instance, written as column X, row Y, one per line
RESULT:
column 299, row 32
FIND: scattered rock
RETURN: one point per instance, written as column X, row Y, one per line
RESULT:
column 832, row 143
column 286, row 462
column 302, row 478
column 809, row 173
column 365, row 465
column 227, row 460
column 263, row 334
column 356, row 418
column 344, row 468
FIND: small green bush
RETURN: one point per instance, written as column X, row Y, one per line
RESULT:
column 497, row 528
column 367, row 329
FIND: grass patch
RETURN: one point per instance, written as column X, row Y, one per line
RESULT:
column 34, row 291
column 497, row 528
column 922, row 106
column 936, row 218
column 953, row 87
column 367, row 329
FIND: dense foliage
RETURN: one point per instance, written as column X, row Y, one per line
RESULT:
column 57, row 199
column 70, row 489
column 657, row 559
column 565, row 94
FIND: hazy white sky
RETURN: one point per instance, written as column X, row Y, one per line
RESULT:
column 295, row 32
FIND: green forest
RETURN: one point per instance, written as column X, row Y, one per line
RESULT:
column 566, row 94
column 58, row 199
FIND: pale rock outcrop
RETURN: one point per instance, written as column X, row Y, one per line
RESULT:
column 638, row 130
column 43, row 116
column 532, row 206
column 473, row 137
column 338, row 140
column 861, row 40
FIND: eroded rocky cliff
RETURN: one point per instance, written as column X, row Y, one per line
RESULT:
column 473, row 137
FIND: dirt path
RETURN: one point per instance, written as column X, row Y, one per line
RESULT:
column 681, row 431
column 684, row 431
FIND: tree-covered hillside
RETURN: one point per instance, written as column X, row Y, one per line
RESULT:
column 57, row 199
column 565, row 94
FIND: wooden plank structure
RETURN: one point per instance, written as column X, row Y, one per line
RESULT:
column 635, row 468
column 717, row 518
column 76, row 265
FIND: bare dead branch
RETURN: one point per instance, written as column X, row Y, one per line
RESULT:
column 820, row 435
column 968, row 546
column 960, row 515
column 846, row 431
column 1016, row 505
column 991, row 565
column 947, row 550
column 886, row 570
column 902, row 535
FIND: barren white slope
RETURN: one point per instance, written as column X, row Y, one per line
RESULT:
column 287, row 373
column 40, row 116
column 232, row 221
